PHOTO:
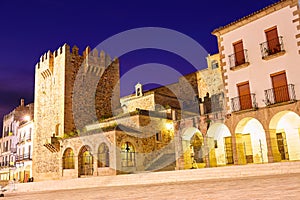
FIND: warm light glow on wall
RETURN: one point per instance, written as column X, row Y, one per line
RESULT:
column 27, row 118
column 169, row 126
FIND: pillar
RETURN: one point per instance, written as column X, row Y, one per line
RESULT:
column 240, row 150
column 274, row 152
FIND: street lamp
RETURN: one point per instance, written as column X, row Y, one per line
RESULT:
column 208, row 120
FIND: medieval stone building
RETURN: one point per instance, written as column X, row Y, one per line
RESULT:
column 55, row 77
column 83, row 128
column 207, row 119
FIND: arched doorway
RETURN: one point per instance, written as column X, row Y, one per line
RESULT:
column 251, row 141
column 68, row 159
column 103, row 155
column 193, row 148
column 220, row 144
column 27, row 174
column 285, row 136
column 85, row 161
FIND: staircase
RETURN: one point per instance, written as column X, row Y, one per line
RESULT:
column 165, row 162
column 53, row 145
column 161, row 160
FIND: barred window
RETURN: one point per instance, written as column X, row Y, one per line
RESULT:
column 103, row 155
column 128, row 155
column 68, row 159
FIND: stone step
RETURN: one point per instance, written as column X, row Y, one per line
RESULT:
column 164, row 177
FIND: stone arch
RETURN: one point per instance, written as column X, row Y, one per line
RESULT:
column 131, row 140
column 103, row 155
column 84, row 142
column 189, row 132
column 85, row 161
column 193, row 148
column 68, row 159
column 220, row 144
column 285, row 135
column 251, row 143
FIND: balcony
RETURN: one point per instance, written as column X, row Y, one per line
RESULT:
column 7, row 164
column 28, row 138
column 6, row 133
column 239, row 60
column 244, row 102
column 23, row 157
column 272, row 48
column 21, row 140
column 281, row 94
column 13, row 150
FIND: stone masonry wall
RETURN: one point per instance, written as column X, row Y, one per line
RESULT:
column 54, row 100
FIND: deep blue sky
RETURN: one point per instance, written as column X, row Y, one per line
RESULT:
column 30, row 28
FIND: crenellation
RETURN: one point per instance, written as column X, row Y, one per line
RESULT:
column 75, row 50
column 95, row 53
column 66, row 48
column 86, row 51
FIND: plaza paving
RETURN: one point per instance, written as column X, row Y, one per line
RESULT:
column 283, row 186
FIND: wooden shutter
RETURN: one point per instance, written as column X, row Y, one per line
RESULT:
column 244, row 95
column 273, row 40
column 239, row 53
column 280, row 87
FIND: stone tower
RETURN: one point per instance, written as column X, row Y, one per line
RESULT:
column 55, row 76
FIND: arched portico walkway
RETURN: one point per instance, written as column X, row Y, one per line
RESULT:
column 285, row 136
column 193, row 148
column 251, row 144
column 220, row 144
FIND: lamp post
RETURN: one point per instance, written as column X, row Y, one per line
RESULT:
column 206, row 145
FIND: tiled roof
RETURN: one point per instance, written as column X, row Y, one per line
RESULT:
column 250, row 15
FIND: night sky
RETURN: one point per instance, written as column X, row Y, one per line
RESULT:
column 29, row 28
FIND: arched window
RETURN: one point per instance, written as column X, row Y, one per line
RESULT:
column 85, row 161
column 127, row 155
column 68, row 159
column 103, row 155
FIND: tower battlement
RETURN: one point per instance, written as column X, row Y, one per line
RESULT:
column 58, row 74
column 93, row 61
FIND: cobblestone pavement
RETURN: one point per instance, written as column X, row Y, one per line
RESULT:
column 265, row 187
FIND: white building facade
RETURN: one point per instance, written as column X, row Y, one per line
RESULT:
column 17, row 118
column 260, row 56
column 23, row 171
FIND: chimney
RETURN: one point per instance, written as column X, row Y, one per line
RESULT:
column 22, row 102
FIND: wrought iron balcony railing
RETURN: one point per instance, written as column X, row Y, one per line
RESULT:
column 243, row 102
column 23, row 157
column 5, row 149
column 13, row 150
column 272, row 47
column 5, row 164
column 238, row 58
column 280, row 94
column 6, row 133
